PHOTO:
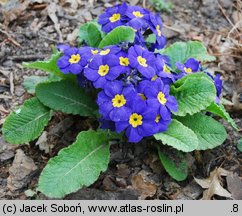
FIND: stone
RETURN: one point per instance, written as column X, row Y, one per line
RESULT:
column 21, row 171
column 6, row 152
column 95, row 194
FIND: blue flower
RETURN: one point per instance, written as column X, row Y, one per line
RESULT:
column 113, row 49
column 102, row 69
column 115, row 99
column 158, row 96
column 113, row 17
column 163, row 69
column 138, row 17
column 106, row 124
column 161, row 124
column 190, row 66
column 218, row 83
column 124, row 62
column 84, row 82
column 156, row 27
column 142, row 60
column 62, row 47
column 140, row 123
column 141, row 88
column 139, row 39
column 72, row 61
column 89, row 52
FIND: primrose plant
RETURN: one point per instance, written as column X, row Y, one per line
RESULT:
column 121, row 75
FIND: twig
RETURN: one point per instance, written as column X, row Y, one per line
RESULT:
column 27, row 57
column 144, row 4
column 11, row 83
column 226, row 54
column 226, row 17
column 172, row 28
column 47, row 38
column 234, row 28
column 9, row 39
column 5, row 73
column 5, row 96
column 51, row 10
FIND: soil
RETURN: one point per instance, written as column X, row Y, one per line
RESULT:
column 28, row 29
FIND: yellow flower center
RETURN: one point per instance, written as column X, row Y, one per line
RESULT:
column 142, row 61
column 154, row 78
column 135, row 120
column 158, row 29
column 103, row 70
column 166, row 69
column 138, row 14
column 118, row 100
column 157, row 119
column 161, row 98
column 74, row 59
column 115, row 17
column 94, row 52
column 142, row 96
column 123, row 61
column 105, row 52
column 187, row 70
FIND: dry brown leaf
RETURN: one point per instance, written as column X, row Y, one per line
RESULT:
column 51, row 9
column 43, row 143
column 141, row 183
column 234, row 185
column 2, row 2
column 13, row 9
column 213, row 184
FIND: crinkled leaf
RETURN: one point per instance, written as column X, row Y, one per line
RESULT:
column 194, row 92
column 26, row 123
column 50, row 66
column 218, row 109
column 67, row 97
column 210, row 133
column 90, row 34
column 76, row 166
column 181, row 51
column 179, row 137
column 118, row 35
column 174, row 162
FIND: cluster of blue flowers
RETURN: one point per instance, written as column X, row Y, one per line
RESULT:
column 133, row 82
column 140, row 19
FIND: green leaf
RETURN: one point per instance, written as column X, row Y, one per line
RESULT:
column 210, row 133
column 119, row 34
column 26, row 123
column 67, row 97
column 174, row 162
column 179, row 137
column 194, row 92
column 162, row 5
column 239, row 146
column 181, row 51
column 76, row 166
column 50, row 66
column 90, row 34
column 151, row 38
column 218, row 109
column 32, row 81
